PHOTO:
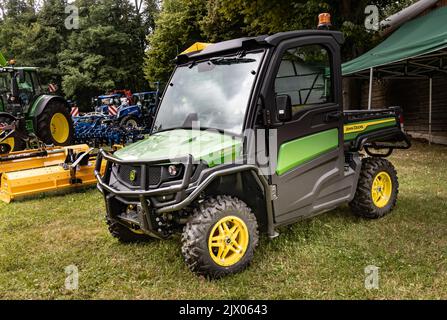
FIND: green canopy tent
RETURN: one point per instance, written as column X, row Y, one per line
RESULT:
column 417, row 50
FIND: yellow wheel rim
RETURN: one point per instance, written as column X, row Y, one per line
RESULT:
column 382, row 189
column 10, row 142
column 228, row 241
column 59, row 128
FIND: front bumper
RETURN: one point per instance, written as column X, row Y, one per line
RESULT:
column 119, row 197
column 177, row 189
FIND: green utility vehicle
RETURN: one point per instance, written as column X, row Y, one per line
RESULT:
column 28, row 115
column 250, row 135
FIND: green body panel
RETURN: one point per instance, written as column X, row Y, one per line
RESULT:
column 299, row 151
column 210, row 146
column 391, row 122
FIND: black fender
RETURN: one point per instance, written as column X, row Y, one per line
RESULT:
column 41, row 102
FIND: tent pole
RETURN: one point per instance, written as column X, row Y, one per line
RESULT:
column 430, row 105
column 371, row 75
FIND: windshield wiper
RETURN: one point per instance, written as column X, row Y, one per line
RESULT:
column 230, row 60
column 197, row 129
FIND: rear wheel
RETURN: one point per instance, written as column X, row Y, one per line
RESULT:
column 220, row 237
column 377, row 189
column 129, row 122
column 54, row 125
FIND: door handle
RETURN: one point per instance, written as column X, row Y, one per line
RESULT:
column 333, row 116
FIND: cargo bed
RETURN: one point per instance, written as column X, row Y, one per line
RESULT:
column 379, row 129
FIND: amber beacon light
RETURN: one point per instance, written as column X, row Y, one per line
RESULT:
column 324, row 21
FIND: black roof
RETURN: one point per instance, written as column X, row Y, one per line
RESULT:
column 254, row 42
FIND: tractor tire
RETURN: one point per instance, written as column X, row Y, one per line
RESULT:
column 129, row 122
column 220, row 238
column 124, row 234
column 377, row 189
column 54, row 125
column 13, row 143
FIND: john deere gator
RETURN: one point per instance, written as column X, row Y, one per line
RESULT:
column 28, row 114
column 203, row 175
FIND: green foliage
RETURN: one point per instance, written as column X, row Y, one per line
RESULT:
column 181, row 23
column 121, row 44
column 106, row 52
column 177, row 28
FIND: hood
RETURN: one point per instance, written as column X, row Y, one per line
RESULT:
column 210, row 146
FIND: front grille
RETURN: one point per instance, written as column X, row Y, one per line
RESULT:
column 131, row 175
column 154, row 175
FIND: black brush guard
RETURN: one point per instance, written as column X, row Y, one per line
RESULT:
column 142, row 195
column 177, row 189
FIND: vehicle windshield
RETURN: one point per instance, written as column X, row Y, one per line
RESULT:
column 210, row 94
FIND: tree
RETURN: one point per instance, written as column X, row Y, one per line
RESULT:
column 107, row 51
column 177, row 27
column 38, row 43
column 181, row 23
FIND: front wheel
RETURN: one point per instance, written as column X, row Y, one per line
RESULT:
column 220, row 238
column 377, row 189
column 13, row 142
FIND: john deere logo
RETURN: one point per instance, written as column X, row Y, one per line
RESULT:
column 132, row 175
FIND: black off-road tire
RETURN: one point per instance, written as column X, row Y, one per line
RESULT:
column 197, row 231
column 44, row 128
column 19, row 144
column 123, row 234
column 363, row 205
column 124, row 121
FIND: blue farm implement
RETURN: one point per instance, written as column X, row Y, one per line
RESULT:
column 129, row 123
column 97, row 130
column 142, row 112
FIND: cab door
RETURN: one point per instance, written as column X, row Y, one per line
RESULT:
column 309, row 149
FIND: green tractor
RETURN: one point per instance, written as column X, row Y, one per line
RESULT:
column 28, row 115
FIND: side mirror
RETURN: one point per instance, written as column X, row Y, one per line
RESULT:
column 284, row 107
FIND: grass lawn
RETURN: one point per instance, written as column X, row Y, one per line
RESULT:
column 322, row 258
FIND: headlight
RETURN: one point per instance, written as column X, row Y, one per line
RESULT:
column 172, row 169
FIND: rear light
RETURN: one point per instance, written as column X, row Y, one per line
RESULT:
column 401, row 121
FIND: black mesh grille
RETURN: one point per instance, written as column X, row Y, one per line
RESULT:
column 154, row 175
column 130, row 175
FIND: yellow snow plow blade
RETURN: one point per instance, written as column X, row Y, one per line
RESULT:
column 26, row 173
